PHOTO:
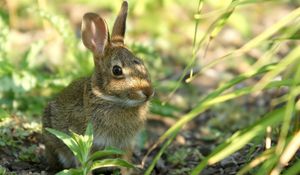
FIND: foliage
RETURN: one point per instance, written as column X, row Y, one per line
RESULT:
column 15, row 134
column 177, row 43
column 273, row 118
column 81, row 145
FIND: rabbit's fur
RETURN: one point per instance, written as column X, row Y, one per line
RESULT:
column 116, row 105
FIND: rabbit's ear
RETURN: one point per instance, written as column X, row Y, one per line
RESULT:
column 119, row 28
column 94, row 33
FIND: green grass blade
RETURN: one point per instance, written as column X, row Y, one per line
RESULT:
column 247, row 90
column 255, row 41
column 289, row 113
column 267, row 166
column 197, row 19
column 256, row 161
column 194, row 50
column 288, row 153
column 291, row 58
column 283, row 151
column 240, row 139
column 294, row 169
column 212, row 31
column 271, row 30
column 158, row 155
column 202, row 105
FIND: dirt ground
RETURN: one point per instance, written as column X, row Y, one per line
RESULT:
column 181, row 157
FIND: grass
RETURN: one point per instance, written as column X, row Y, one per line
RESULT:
column 176, row 58
column 258, row 128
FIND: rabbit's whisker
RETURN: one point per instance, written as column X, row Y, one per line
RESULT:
column 123, row 102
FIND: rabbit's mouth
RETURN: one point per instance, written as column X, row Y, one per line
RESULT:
column 133, row 99
column 124, row 102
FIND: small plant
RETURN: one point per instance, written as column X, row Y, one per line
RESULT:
column 81, row 145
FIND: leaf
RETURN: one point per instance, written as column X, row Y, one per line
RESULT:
column 89, row 130
column 80, row 146
column 68, row 140
column 112, row 163
column 2, row 170
column 104, row 153
column 88, row 136
column 70, row 172
column 167, row 109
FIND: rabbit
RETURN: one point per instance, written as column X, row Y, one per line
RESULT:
column 114, row 98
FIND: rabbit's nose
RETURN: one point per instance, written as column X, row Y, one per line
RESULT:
column 148, row 92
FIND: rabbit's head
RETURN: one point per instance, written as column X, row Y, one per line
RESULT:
column 119, row 76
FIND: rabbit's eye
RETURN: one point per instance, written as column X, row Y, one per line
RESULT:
column 117, row 70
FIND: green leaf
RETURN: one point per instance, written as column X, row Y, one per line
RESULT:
column 112, row 163
column 167, row 109
column 89, row 130
column 68, row 140
column 88, row 136
column 84, row 146
column 80, row 146
column 104, row 153
column 70, row 172
column 2, row 170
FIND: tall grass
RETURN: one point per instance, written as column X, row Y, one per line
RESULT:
column 282, row 115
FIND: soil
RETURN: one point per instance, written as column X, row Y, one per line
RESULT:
column 187, row 150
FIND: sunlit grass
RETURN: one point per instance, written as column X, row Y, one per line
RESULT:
column 26, row 85
column 240, row 139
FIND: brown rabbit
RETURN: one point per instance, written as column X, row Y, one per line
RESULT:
column 114, row 98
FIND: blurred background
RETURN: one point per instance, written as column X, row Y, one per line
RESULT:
column 41, row 52
column 41, row 49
